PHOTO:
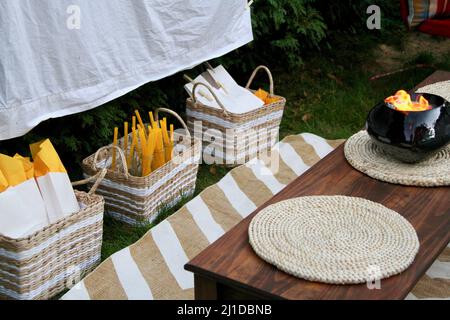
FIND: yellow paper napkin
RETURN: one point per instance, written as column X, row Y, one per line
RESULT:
column 3, row 182
column 13, row 170
column 28, row 166
column 45, row 158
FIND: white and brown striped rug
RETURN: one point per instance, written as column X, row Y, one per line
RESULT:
column 153, row 267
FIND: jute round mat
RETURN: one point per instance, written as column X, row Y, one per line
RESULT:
column 439, row 88
column 334, row 239
column 368, row 158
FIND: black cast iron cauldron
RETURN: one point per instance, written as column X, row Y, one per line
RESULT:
column 411, row 136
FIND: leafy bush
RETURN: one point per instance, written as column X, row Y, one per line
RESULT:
column 284, row 30
column 77, row 136
column 350, row 15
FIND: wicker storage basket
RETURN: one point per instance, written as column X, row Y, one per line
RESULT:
column 44, row 264
column 138, row 200
column 233, row 138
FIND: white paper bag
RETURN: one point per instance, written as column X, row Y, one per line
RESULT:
column 22, row 210
column 202, row 94
column 244, row 99
column 233, row 97
column 58, row 195
column 53, row 181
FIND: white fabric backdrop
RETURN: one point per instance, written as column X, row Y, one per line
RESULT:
column 49, row 70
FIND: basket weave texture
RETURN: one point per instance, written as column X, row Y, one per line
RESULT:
column 51, row 260
column 138, row 200
column 364, row 155
column 238, row 136
column 334, row 239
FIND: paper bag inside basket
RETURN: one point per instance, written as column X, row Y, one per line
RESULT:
column 245, row 99
column 22, row 209
column 53, row 181
column 233, row 97
column 238, row 93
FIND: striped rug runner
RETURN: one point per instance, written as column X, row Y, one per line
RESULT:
column 153, row 267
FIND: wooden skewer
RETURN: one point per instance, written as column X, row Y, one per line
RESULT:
column 204, row 95
column 171, row 143
column 208, row 66
column 139, row 119
column 142, row 138
column 152, row 119
column 133, row 122
column 149, row 155
column 186, row 77
column 165, row 138
column 131, row 154
column 125, row 138
column 131, row 162
column 200, row 91
column 165, row 135
column 142, row 147
column 222, row 86
column 211, row 73
column 116, row 134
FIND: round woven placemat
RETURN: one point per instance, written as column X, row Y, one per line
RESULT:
column 334, row 239
column 367, row 157
column 439, row 88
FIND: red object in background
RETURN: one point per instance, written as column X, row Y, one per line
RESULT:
column 437, row 27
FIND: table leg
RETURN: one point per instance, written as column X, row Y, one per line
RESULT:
column 205, row 288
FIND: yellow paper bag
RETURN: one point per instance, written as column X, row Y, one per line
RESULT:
column 45, row 158
column 27, row 165
column 3, row 182
column 262, row 94
column 53, row 182
column 22, row 208
column 158, row 155
column 13, row 170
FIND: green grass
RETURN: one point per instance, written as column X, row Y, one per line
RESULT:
column 336, row 109
column 328, row 96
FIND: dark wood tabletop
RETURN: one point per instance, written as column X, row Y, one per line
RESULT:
column 229, row 268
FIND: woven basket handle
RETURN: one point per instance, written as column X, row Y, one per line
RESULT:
column 121, row 156
column 271, row 91
column 97, row 178
column 176, row 115
column 213, row 94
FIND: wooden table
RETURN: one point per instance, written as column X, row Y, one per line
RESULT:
column 229, row 269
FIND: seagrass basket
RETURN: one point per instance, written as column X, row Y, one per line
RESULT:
column 53, row 259
column 233, row 138
column 138, row 200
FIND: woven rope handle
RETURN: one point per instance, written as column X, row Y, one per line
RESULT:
column 176, row 115
column 269, row 74
column 121, row 156
column 213, row 94
column 97, row 178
